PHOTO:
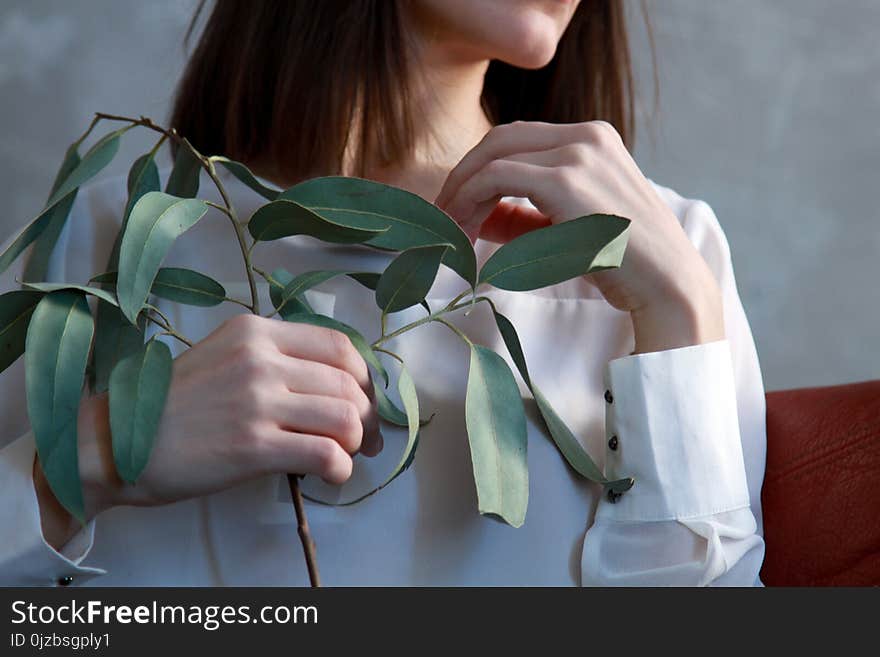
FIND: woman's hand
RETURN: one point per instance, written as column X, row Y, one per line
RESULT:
column 569, row 171
column 256, row 397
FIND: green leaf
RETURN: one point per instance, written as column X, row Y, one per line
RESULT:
column 57, row 349
column 156, row 220
column 306, row 281
column 95, row 159
column 408, row 278
column 567, row 443
column 371, row 279
column 410, row 398
column 514, row 346
column 410, row 420
column 244, row 174
column 24, row 239
column 115, row 339
column 278, row 280
column 295, row 306
column 143, row 177
column 284, row 218
column 557, row 253
column 91, row 164
column 368, row 279
column 496, row 425
column 183, row 181
column 179, row 285
column 298, row 285
column 187, row 286
column 16, row 309
column 138, row 390
column 37, row 265
column 405, row 219
column 358, row 340
column 55, row 287
column 68, row 165
column 388, row 410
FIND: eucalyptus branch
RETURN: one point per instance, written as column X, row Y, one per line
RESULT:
column 452, row 306
column 388, row 353
column 162, row 139
column 398, row 221
column 237, row 302
column 246, row 250
column 266, row 276
column 168, row 330
column 208, row 165
column 84, row 136
column 452, row 327
column 154, row 309
column 176, row 336
column 222, row 208
column 239, row 229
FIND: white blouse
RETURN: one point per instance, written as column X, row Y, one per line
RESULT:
column 689, row 424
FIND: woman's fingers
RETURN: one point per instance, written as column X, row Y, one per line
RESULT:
column 503, row 178
column 334, row 417
column 500, row 142
column 318, row 382
column 301, row 453
column 305, row 359
column 322, row 345
column 508, row 221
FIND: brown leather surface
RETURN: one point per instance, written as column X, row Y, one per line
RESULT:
column 821, row 495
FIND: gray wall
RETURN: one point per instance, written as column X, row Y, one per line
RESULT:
column 768, row 110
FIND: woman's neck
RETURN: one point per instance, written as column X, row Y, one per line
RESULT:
column 449, row 119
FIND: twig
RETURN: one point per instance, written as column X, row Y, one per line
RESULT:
column 452, row 306
column 305, row 535
column 168, row 330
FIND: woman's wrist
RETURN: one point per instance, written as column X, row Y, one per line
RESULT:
column 100, row 482
column 691, row 315
column 97, row 475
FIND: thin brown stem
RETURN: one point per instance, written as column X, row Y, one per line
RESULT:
column 305, row 535
column 88, row 131
column 452, row 327
column 168, row 330
column 237, row 302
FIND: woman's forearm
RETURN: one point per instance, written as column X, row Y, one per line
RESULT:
column 690, row 317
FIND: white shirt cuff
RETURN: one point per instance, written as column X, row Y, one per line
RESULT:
column 26, row 559
column 671, row 423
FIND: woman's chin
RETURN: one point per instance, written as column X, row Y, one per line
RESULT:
column 533, row 45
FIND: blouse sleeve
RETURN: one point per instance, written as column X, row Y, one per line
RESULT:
column 688, row 424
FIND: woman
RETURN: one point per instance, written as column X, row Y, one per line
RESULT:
column 652, row 365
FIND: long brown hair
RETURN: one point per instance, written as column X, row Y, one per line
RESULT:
column 270, row 79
